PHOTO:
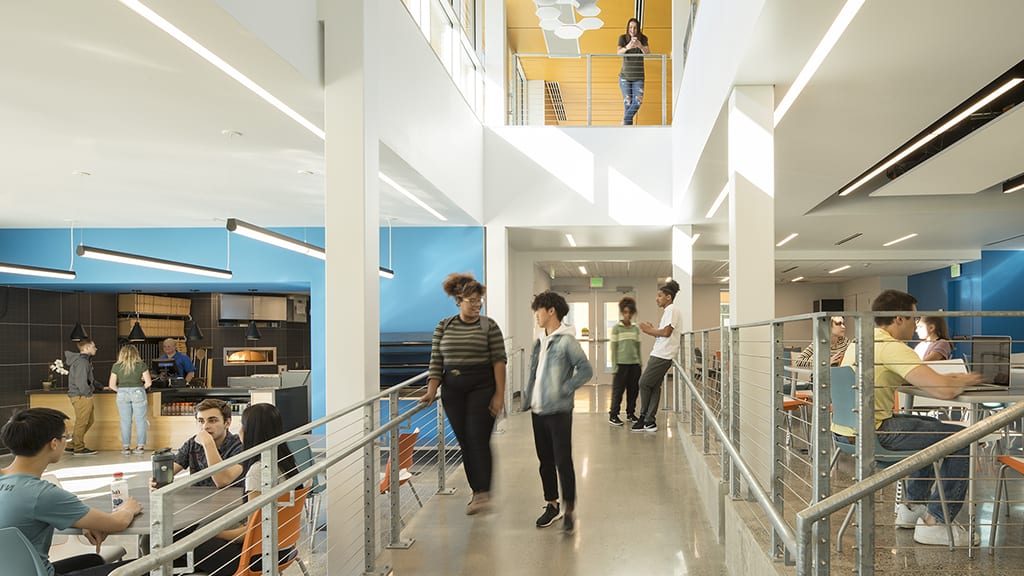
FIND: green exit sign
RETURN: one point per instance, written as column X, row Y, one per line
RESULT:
column 954, row 271
column 597, row 282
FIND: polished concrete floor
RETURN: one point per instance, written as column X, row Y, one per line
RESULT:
column 637, row 511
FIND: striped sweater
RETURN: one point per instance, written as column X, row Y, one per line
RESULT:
column 625, row 345
column 462, row 344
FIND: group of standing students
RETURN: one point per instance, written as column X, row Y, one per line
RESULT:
column 467, row 363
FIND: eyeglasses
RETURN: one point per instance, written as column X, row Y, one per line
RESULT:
column 839, row 323
column 473, row 301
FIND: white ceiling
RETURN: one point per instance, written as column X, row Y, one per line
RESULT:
column 100, row 90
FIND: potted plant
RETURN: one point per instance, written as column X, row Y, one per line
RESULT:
column 56, row 369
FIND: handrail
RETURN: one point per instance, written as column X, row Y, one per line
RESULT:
column 823, row 508
column 169, row 553
column 785, row 532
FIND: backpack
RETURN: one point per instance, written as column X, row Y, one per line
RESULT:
column 485, row 325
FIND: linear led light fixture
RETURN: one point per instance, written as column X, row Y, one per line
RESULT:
column 205, row 53
column 718, row 201
column 583, row 270
column 787, row 239
column 835, row 31
column 1013, row 184
column 724, row 280
column 386, row 272
column 797, row 279
column 572, row 241
column 840, row 269
column 898, row 240
column 410, row 196
column 36, row 271
column 159, row 264
column 280, row 240
column 695, row 238
column 1012, row 83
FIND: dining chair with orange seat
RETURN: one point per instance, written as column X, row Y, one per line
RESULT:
column 1008, row 463
column 406, row 444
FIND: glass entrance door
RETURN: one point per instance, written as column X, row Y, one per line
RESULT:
column 593, row 315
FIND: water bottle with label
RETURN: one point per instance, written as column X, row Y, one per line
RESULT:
column 118, row 490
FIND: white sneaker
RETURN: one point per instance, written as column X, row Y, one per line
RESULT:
column 907, row 515
column 938, row 534
column 126, row 451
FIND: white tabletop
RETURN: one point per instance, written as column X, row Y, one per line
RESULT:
column 190, row 506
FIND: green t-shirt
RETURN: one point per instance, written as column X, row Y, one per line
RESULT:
column 37, row 507
column 129, row 377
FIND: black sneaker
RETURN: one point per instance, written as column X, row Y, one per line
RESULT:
column 614, row 420
column 638, row 426
column 569, row 522
column 551, row 513
column 651, row 426
column 69, row 449
column 85, row 452
column 631, row 417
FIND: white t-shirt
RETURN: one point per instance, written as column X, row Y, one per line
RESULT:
column 666, row 347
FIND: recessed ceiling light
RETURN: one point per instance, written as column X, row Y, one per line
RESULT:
column 790, row 269
column 797, row 279
column 80, row 173
column 932, row 135
column 787, row 239
column 1014, row 189
column 305, row 172
column 840, row 269
column 1013, row 184
column 231, row 133
column 571, row 240
column 907, row 237
column 848, row 238
column 583, row 270
column 724, row 280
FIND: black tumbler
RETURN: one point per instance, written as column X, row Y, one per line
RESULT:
column 163, row 467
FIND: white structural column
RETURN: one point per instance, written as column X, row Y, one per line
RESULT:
column 492, row 45
column 351, row 219
column 496, row 265
column 682, row 272
column 751, row 262
column 751, row 204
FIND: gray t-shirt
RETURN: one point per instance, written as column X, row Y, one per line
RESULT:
column 37, row 507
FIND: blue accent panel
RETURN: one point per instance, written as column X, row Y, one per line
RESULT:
column 426, row 421
column 413, row 300
column 990, row 284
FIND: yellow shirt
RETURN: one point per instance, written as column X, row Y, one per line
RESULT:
column 893, row 361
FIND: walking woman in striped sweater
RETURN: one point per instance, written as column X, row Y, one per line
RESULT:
column 467, row 360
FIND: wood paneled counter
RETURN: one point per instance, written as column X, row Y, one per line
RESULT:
column 169, row 412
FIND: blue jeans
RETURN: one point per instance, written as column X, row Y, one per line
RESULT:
column 632, row 98
column 910, row 432
column 132, row 402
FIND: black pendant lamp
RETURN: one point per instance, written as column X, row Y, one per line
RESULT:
column 194, row 333
column 137, row 335
column 78, row 333
column 252, row 332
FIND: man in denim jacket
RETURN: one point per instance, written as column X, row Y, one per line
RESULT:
column 557, row 368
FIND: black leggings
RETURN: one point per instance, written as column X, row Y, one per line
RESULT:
column 466, row 394
column 85, row 565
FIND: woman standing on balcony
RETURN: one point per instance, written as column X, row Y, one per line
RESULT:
column 467, row 359
column 631, row 77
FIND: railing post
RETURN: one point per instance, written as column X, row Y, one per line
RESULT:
column 442, row 452
column 369, row 493
column 161, row 531
column 778, row 415
column 268, row 477
column 866, row 442
column 705, row 376
column 394, row 487
column 664, row 90
column 688, row 394
column 821, row 441
column 724, row 403
column 590, row 86
column 734, row 410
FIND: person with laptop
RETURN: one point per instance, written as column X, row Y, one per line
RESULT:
column 897, row 364
column 183, row 366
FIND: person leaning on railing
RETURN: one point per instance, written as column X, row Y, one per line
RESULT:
column 837, row 345
column 897, row 364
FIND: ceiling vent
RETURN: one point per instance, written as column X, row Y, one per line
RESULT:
column 848, row 238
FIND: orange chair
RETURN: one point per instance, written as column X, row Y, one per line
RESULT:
column 289, row 529
column 406, row 443
column 1007, row 463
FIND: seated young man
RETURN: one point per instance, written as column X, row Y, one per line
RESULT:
column 896, row 363
column 212, row 444
column 37, row 438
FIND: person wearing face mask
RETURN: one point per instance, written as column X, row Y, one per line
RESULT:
column 837, row 345
column 467, row 361
column 934, row 335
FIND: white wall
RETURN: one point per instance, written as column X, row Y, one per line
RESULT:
column 421, row 115
column 858, row 294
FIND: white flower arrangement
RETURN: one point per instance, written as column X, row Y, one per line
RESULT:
column 57, row 367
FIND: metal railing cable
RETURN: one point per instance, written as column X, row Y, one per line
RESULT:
column 164, row 549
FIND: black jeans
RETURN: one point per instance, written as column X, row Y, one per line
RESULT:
column 552, row 436
column 627, row 379
column 466, row 394
column 85, row 565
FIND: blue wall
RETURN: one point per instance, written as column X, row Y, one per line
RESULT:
column 990, row 284
column 413, row 300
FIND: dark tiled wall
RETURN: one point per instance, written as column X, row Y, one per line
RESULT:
column 34, row 330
